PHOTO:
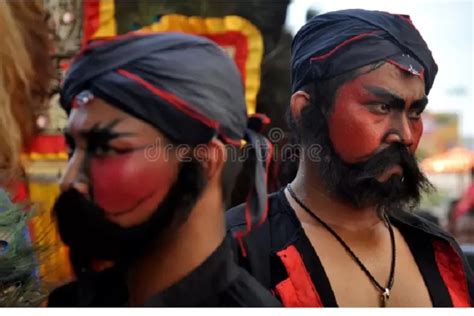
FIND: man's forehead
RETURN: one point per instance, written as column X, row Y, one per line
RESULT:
column 95, row 112
column 394, row 80
column 81, row 121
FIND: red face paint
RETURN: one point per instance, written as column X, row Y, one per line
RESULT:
column 417, row 127
column 127, row 184
column 357, row 133
column 123, row 182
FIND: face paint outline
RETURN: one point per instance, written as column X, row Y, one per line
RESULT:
column 106, row 159
column 131, row 209
column 141, row 202
column 98, row 137
column 360, row 122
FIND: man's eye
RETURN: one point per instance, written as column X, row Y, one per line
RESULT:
column 103, row 150
column 379, row 108
column 106, row 150
column 415, row 115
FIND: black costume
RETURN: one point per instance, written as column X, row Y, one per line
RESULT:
column 280, row 256
column 218, row 282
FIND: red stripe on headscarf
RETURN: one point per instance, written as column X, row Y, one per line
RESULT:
column 348, row 41
column 171, row 98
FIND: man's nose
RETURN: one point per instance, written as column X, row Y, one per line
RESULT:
column 74, row 176
column 401, row 132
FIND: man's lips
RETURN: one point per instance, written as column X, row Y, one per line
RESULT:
column 390, row 171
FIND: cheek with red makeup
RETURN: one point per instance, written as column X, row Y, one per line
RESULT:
column 355, row 133
column 417, row 132
column 124, row 182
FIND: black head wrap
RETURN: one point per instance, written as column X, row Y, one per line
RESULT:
column 185, row 86
column 337, row 42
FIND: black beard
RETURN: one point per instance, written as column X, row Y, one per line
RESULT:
column 356, row 184
column 91, row 236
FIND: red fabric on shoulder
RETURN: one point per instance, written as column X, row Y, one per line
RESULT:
column 298, row 289
column 452, row 272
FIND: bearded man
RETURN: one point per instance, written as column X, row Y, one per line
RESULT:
column 341, row 233
column 151, row 121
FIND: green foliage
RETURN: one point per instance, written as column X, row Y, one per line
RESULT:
column 19, row 283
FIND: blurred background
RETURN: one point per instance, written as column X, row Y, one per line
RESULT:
column 257, row 34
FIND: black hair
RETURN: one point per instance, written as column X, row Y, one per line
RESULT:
column 230, row 174
column 322, row 96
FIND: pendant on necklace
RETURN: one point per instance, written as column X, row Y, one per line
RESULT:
column 384, row 297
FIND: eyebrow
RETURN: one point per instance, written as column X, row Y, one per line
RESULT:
column 420, row 104
column 388, row 97
column 395, row 101
column 99, row 134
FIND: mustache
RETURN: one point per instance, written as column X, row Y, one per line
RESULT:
column 358, row 185
column 395, row 154
column 73, row 213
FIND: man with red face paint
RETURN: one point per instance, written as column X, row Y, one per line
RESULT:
column 341, row 233
column 151, row 121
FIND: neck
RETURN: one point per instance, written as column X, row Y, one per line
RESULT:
column 311, row 190
column 182, row 251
